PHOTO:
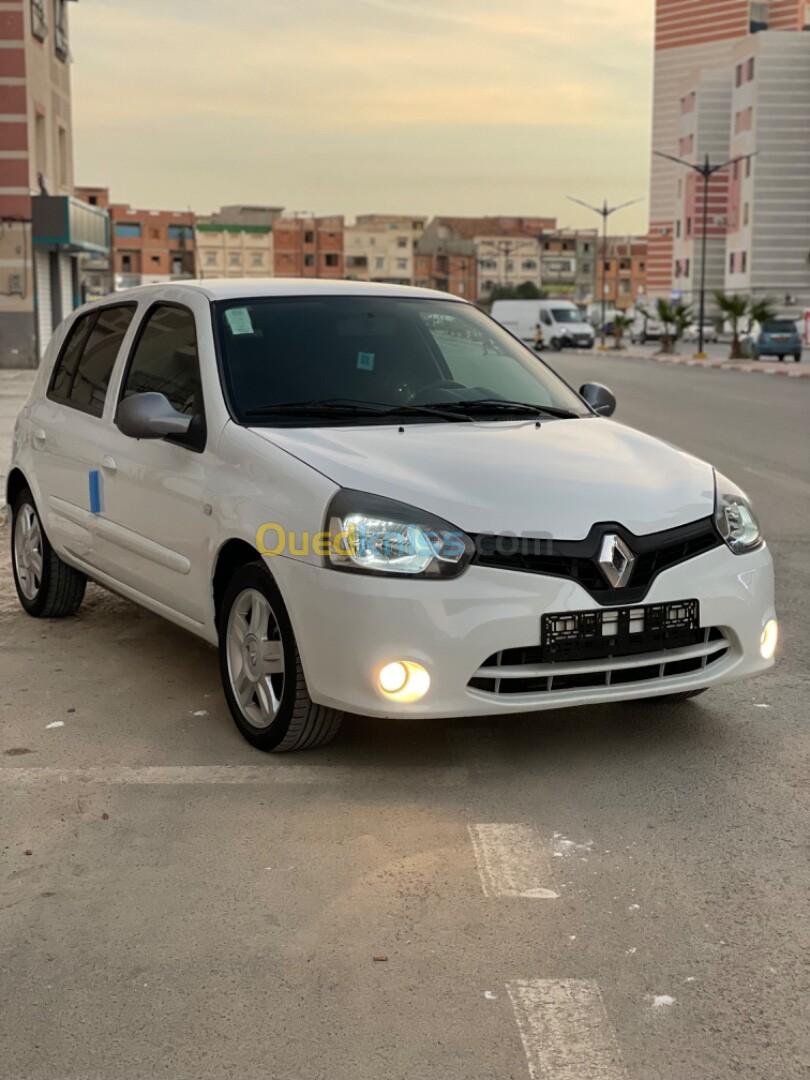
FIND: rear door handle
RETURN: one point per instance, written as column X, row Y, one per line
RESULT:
column 108, row 464
column 40, row 436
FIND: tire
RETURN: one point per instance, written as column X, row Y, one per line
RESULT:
column 47, row 588
column 264, row 686
column 797, row 358
column 556, row 346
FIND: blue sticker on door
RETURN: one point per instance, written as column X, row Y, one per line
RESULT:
column 95, row 491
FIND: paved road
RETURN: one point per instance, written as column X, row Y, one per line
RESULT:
column 606, row 894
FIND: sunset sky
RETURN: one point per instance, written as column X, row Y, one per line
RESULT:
column 422, row 106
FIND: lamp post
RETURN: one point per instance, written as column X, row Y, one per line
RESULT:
column 604, row 212
column 707, row 171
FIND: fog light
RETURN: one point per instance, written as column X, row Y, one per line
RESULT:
column 769, row 640
column 403, row 681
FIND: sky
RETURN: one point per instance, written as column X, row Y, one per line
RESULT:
column 357, row 106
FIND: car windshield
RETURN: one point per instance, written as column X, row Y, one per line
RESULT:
column 565, row 315
column 779, row 326
column 352, row 359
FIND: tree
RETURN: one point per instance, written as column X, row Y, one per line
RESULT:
column 760, row 311
column 621, row 323
column 733, row 309
column 527, row 290
column 674, row 317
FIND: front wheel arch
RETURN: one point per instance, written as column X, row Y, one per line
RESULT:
column 232, row 556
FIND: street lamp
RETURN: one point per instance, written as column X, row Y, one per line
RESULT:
column 604, row 212
column 707, row 171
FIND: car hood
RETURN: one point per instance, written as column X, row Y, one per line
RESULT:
column 555, row 480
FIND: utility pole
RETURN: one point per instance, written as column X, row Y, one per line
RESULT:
column 605, row 211
column 707, row 171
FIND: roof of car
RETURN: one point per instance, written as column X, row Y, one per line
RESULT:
column 239, row 288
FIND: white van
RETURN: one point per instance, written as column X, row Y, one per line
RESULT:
column 561, row 321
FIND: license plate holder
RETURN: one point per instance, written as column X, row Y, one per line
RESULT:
column 618, row 631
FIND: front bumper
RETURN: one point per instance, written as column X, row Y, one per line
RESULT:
column 349, row 625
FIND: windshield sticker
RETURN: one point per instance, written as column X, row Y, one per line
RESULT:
column 365, row 361
column 239, row 320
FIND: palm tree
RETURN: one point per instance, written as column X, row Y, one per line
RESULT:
column 674, row 317
column 621, row 324
column 734, row 309
column 760, row 311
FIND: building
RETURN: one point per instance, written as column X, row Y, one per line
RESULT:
column 95, row 269
column 234, row 250
column 705, row 108
column 381, row 247
column 471, row 256
column 151, row 246
column 569, row 258
column 307, row 246
column 692, row 36
column 768, row 241
column 43, row 228
column 622, row 273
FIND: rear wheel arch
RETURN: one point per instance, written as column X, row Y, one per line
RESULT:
column 15, row 483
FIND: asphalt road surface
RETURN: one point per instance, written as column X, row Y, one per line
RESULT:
column 612, row 893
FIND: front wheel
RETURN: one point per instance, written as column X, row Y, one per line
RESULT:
column 261, row 669
column 46, row 587
column 797, row 358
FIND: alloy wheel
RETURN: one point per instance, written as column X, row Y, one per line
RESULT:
column 29, row 558
column 255, row 656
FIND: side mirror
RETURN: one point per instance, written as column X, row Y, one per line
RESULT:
column 151, row 416
column 600, row 399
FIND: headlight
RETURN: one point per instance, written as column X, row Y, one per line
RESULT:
column 373, row 535
column 734, row 517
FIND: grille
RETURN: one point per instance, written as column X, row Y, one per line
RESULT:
column 578, row 560
column 648, row 658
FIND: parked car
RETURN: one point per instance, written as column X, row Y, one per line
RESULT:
column 562, row 323
column 645, row 330
column 373, row 499
column 777, row 337
column 710, row 334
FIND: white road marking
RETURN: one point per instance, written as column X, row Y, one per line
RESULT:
column 565, row 1030
column 438, row 776
column 54, row 724
column 512, row 861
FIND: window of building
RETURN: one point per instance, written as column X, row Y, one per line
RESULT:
column 379, row 263
column 60, row 35
column 688, row 226
column 402, row 241
column 586, row 268
column 331, row 259
column 529, row 264
column 309, row 260
column 738, row 75
column 744, row 262
column 257, row 259
column 746, row 214
column 83, row 370
column 155, row 259
column 126, row 263
column 677, row 268
column 748, row 168
column 586, row 249
column 180, row 232
column 64, row 163
column 687, row 267
column 760, row 15
column 750, row 68
column 39, row 20
column 41, row 144
column 309, row 237
column 130, row 230
column 678, row 228
column 732, row 263
column 210, row 258
column 234, row 259
column 402, row 264
column 625, row 264
column 165, row 360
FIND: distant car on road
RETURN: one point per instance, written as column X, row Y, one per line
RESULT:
column 779, row 338
column 645, row 330
column 710, row 334
column 372, row 499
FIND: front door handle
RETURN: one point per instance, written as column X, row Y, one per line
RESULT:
column 108, row 464
column 40, row 436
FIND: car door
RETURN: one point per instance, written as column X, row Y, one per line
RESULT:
column 67, row 424
column 154, row 530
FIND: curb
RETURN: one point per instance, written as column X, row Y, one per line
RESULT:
column 750, row 367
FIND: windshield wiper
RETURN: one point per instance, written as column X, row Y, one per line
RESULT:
column 347, row 407
column 489, row 405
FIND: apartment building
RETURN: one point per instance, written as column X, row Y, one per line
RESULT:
column 151, row 246
column 693, row 35
column 309, row 247
column 622, row 273
column 43, row 228
column 381, row 247
column 705, row 108
column 507, row 262
column 768, row 241
column 236, row 241
column 568, row 263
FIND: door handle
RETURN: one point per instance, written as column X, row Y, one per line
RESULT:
column 40, row 436
column 108, row 464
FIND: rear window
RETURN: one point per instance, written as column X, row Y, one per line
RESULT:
column 779, row 326
column 83, row 370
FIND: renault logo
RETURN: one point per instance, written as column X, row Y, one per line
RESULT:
column 616, row 560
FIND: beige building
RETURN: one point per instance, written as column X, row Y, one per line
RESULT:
column 507, row 262
column 42, row 229
column 380, row 247
column 225, row 250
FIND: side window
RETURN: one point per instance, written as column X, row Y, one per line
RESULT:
column 85, row 364
column 165, row 359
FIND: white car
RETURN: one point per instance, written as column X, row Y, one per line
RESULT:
column 710, row 335
column 373, row 499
